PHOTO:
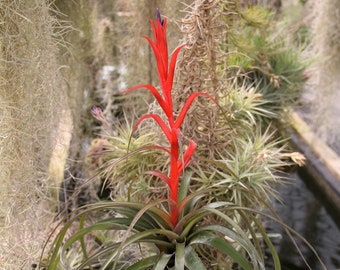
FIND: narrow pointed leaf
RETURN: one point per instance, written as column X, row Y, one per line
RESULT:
column 155, row 93
column 270, row 245
column 172, row 66
column 183, row 189
column 159, row 121
column 182, row 164
column 160, row 175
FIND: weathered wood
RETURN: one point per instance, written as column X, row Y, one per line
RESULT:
column 322, row 166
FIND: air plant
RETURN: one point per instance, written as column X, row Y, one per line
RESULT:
column 172, row 232
column 264, row 57
column 179, row 160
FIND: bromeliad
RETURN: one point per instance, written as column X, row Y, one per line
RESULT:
column 181, row 236
column 178, row 161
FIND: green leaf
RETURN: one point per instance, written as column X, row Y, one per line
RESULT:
column 192, row 260
column 179, row 255
column 82, row 232
column 241, row 240
column 149, row 236
column 223, row 246
column 163, row 261
column 270, row 245
column 183, row 189
column 144, row 263
column 82, row 240
column 153, row 216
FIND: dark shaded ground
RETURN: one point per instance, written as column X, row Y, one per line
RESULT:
column 304, row 213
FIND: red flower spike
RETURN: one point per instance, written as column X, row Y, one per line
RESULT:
column 161, row 66
column 159, row 31
column 160, row 48
column 166, row 71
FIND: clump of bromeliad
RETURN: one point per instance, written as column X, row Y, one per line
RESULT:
column 173, row 230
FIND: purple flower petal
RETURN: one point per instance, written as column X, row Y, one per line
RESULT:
column 159, row 17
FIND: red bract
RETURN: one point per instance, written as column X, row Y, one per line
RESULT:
column 171, row 129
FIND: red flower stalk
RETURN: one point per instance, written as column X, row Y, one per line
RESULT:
column 171, row 129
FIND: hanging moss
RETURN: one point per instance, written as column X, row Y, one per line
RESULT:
column 31, row 101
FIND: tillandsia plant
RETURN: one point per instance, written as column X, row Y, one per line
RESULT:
column 179, row 158
column 267, row 59
column 169, row 233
